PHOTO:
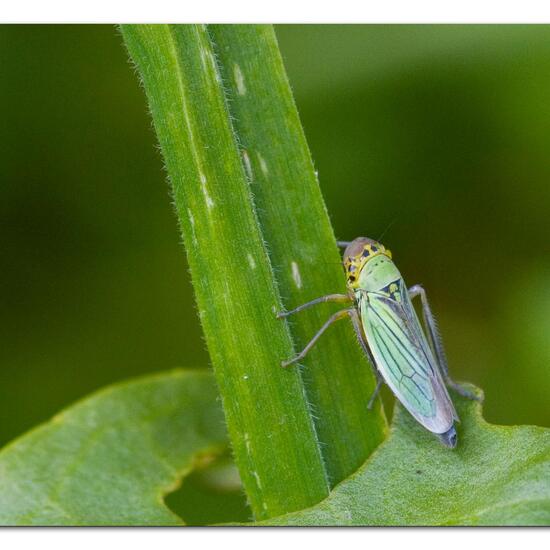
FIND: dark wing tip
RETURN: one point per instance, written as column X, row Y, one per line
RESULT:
column 449, row 438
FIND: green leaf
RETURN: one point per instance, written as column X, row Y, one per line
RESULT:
column 498, row 475
column 111, row 458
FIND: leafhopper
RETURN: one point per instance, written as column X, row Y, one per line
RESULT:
column 409, row 359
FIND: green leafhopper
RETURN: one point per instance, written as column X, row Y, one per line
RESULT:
column 408, row 359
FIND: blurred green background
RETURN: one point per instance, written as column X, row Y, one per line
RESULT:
column 436, row 137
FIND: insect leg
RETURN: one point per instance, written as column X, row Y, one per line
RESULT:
column 343, row 244
column 437, row 343
column 359, row 331
column 375, row 393
column 336, row 317
column 321, row 300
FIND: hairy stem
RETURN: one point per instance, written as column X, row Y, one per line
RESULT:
column 271, row 430
column 302, row 247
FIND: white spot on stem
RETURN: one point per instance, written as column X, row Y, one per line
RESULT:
column 296, row 275
column 251, row 261
column 192, row 220
column 263, row 165
column 215, row 67
column 247, row 165
column 207, row 197
column 254, row 473
column 247, row 442
column 258, row 482
column 239, row 80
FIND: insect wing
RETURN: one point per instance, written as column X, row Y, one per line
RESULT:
column 404, row 358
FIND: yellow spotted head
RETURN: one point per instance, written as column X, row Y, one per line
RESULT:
column 357, row 254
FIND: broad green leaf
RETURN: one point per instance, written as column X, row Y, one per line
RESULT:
column 498, row 475
column 111, row 458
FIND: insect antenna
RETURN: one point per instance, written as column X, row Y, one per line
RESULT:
column 388, row 227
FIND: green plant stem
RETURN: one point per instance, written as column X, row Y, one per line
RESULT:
column 271, row 430
column 301, row 242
